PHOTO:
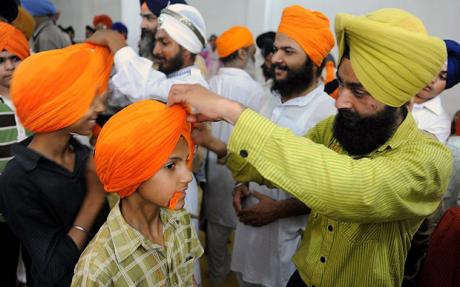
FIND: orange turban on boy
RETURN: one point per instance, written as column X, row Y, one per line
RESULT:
column 52, row 90
column 232, row 40
column 136, row 142
column 13, row 40
column 310, row 29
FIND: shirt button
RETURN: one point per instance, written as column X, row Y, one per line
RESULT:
column 330, row 228
column 322, row 259
column 243, row 153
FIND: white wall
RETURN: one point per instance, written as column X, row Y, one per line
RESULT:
column 440, row 17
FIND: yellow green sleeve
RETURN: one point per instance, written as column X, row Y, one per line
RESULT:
column 402, row 183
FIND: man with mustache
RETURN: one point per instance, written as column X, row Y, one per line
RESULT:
column 367, row 196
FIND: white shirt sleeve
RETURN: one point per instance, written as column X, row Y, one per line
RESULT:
column 136, row 79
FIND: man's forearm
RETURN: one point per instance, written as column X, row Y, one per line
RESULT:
column 292, row 207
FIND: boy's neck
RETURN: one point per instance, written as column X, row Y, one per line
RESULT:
column 143, row 216
column 4, row 92
column 54, row 146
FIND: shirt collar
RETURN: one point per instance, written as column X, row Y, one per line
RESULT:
column 233, row 71
column 403, row 133
column 303, row 101
column 40, row 28
column 126, row 239
column 187, row 71
column 434, row 105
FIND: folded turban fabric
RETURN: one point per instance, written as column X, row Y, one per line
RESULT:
column 52, row 90
column 136, row 143
column 157, row 5
column 310, row 29
column 453, row 63
column 104, row 20
column 13, row 40
column 185, row 25
column 8, row 10
column 232, row 40
column 39, row 7
column 390, row 53
column 25, row 22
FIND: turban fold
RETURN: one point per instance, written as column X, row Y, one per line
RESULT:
column 8, row 10
column 185, row 25
column 104, row 20
column 310, row 29
column 39, row 7
column 157, row 5
column 136, row 142
column 391, row 55
column 13, row 40
column 232, row 40
column 453, row 63
column 25, row 22
column 52, row 90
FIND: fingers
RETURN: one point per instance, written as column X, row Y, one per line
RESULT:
column 259, row 195
column 237, row 200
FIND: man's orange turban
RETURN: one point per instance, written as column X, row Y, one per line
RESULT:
column 12, row 40
column 52, row 90
column 104, row 20
column 136, row 142
column 232, row 40
column 310, row 29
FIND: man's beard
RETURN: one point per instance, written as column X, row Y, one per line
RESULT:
column 147, row 44
column 295, row 82
column 361, row 135
column 268, row 72
column 173, row 65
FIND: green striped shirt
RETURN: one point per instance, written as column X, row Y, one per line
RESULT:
column 364, row 210
column 119, row 255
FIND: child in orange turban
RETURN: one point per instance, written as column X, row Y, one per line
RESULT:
column 49, row 192
column 143, row 153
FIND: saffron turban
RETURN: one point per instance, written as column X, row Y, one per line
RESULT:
column 136, row 142
column 52, row 90
column 391, row 54
column 104, row 20
column 453, row 63
column 13, row 40
column 232, row 40
column 185, row 25
column 39, row 7
column 310, row 29
column 25, row 22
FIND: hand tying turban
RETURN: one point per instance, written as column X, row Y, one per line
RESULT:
column 391, row 54
column 232, row 40
column 102, row 20
column 185, row 25
column 13, row 40
column 52, row 90
column 136, row 142
column 310, row 29
column 453, row 63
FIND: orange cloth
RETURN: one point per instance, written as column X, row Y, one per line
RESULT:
column 136, row 142
column 54, row 89
column 232, row 40
column 330, row 76
column 310, row 29
column 24, row 22
column 12, row 40
column 104, row 20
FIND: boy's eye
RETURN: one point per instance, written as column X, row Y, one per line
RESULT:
column 170, row 165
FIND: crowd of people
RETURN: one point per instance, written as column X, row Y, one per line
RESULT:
column 324, row 172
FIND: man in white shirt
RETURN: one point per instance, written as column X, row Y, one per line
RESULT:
column 236, row 50
column 428, row 111
column 180, row 37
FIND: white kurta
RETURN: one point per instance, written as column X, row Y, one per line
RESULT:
column 431, row 117
column 263, row 254
column 237, row 85
column 136, row 80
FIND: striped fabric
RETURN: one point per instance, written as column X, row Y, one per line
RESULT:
column 8, row 134
column 119, row 255
column 364, row 211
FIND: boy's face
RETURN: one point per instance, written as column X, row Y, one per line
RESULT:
column 85, row 124
column 8, row 63
column 173, row 177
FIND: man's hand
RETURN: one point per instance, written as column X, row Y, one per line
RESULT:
column 207, row 106
column 109, row 38
column 202, row 135
column 262, row 213
column 240, row 192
